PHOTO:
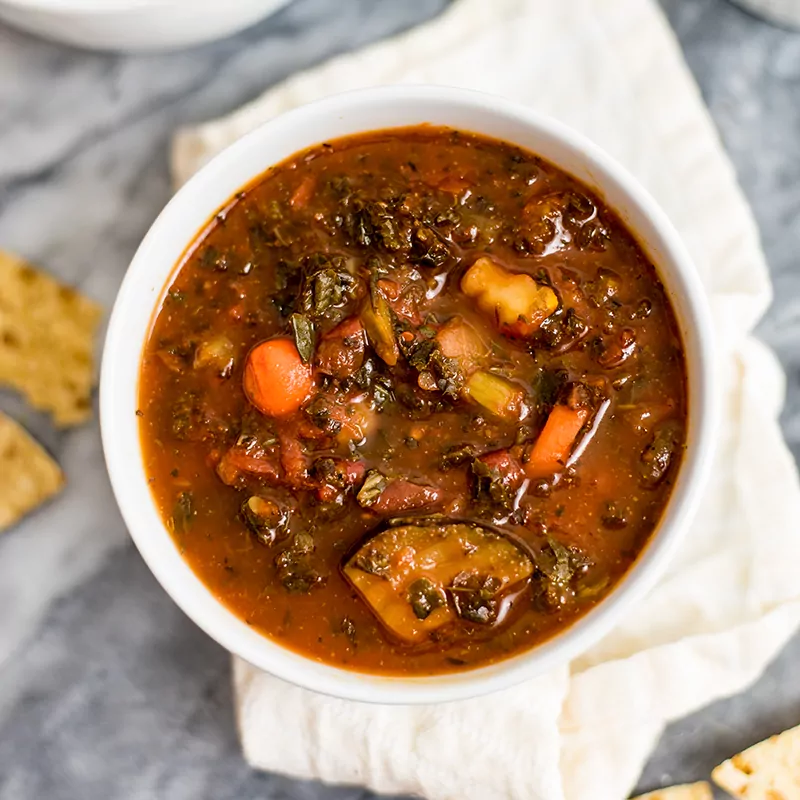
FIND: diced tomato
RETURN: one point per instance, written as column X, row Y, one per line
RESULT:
column 509, row 468
column 341, row 351
column 401, row 495
column 404, row 304
column 293, row 460
column 236, row 462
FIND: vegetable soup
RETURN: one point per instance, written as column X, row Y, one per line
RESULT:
column 413, row 402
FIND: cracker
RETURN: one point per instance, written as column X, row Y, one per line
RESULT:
column 686, row 791
column 46, row 341
column 29, row 475
column 769, row 770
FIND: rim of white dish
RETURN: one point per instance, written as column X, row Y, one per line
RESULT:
column 120, row 429
column 102, row 7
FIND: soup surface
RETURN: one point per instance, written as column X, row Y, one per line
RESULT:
column 413, row 402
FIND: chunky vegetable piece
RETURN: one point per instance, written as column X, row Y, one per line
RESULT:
column 497, row 395
column 414, row 402
column 514, row 300
column 377, row 319
column 551, row 450
column 406, row 573
column 276, row 380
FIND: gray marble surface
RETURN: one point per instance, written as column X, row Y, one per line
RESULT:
column 106, row 690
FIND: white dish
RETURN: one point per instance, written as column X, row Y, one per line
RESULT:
column 188, row 212
column 140, row 25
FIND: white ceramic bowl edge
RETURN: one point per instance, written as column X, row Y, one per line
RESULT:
column 135, row 25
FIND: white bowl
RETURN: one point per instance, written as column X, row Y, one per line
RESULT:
column 188, row 212
column 138, row 25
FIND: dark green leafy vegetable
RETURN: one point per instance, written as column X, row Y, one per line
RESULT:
column 428, row 249
column 327, row 286
column 176, row 357
column 255, row 431
column 457, row 455
column 490, row 486
column 332, row 472
column 547, row 387
column 558, row 568
column 295, row 570
column 605, row 287
column 376, row 317
column 381, row 392
column 265, row 518
column 319, row 412
column 288, row 279
column 372, row 488
column 556, row 563
column 183, row 513
column 614, row 517
column 375, row 223
column 419, row 354
column 348, row 628
column 424, row 597
column 186, row 415
column 373, row 562
column 658, row 455
column 474, row 597
column 425, row 355
column 562, row 330
column 304, row 337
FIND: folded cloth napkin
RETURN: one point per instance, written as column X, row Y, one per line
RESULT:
column 731, row 599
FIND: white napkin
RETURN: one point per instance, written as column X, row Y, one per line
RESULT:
column 731, row 599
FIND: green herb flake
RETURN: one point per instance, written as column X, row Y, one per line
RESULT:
column 373, row 562
column 372, row 488
column 183, row 513
column 424, row 597
column 304, row 337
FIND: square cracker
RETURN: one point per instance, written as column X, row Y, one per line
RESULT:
column 686, row 791
column 769, row 770
column 46, row 341
column 28, row 476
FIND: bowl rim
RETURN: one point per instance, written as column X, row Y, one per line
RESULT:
column 101, row 8
column 83, row 6
column 190, row 594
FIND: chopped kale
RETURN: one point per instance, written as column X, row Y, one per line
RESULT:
column 424, row 597
column 372, row 488
column 266, row 519
column 183, row 513
column 490, row 486
column 474, row 597
column 374, row 562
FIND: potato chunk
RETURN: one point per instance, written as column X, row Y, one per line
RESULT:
column 459, row 340
column 516, row 302
column 408, row 575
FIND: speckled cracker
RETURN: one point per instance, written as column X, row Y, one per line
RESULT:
column 769, row 770
column 46, row 341
column 28, row 476
column 686, row 791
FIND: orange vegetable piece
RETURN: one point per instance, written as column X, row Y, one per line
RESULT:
column 555, row 442
column 459, row 340
column 276, row 381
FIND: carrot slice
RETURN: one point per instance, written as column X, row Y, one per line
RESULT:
column 555, row 442
column 276, row 381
